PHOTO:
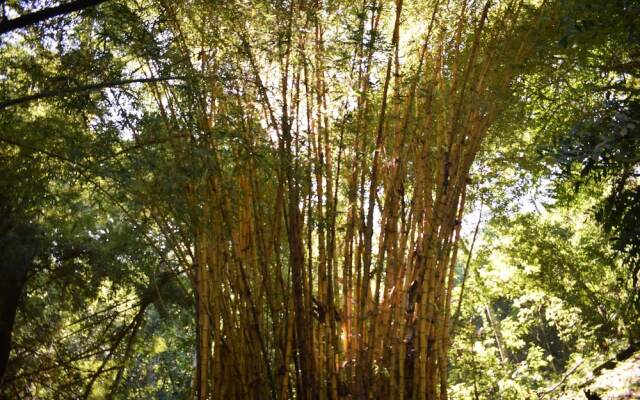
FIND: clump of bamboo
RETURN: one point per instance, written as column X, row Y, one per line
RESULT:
column 324, row 221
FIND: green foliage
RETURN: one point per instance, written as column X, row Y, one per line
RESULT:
column 83, row 174
column 557, row 262
column 605, row 150
column 557, row 291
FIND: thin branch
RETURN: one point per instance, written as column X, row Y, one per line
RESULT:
column 564, row 378
column 80, row 89
column 456, row 315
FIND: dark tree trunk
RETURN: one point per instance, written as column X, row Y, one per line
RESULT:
column 18, row 246
column 23, row 21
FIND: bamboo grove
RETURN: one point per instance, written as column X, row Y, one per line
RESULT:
column 320, row 232
column 310, row 168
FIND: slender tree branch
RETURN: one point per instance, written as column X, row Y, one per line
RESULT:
column 564, row 378
column 80, row 89
column 456, row 315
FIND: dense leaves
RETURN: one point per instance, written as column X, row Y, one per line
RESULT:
column 257, row 199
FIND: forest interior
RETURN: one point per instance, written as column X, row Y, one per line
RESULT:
column 320, row 199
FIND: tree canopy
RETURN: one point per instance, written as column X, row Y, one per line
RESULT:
column 318, row 200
